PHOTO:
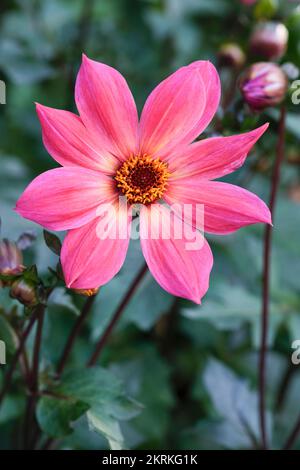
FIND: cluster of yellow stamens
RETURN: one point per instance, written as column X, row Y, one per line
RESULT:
column 142, row 179
column 87, row 292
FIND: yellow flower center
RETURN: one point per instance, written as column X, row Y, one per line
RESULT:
column 142, row 180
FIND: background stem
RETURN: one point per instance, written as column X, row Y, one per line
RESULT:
column 293, row 436
column 103, row 339
column 14, row 361
column 266, row 279
column 29, row 424
column 74, row 333
column 127, row 297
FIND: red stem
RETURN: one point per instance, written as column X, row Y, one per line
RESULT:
column 14, row 362
column 102, row 341
column 74, row 333
column 34, row 378
column 293, row 436
column 266, row 279
column 127, row 297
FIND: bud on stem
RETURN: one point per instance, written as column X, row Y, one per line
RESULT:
column 263, row 84
column 25, row 292
column 11, row 261
column 269, row 40
column 231, row 55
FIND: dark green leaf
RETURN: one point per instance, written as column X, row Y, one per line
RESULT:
column 53, row 242
column 55, row 416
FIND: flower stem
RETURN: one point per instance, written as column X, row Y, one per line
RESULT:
column 266, row 279
column 34, row 376
column 127, row 297
column 284, row 386
column 293, row 436
column 68, row 348
column 102, row 341
column 14, row 362
column 74, row 333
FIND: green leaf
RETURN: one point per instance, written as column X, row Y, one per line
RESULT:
column 95, row 390
column 153, row 390
column 52, row 242
column 227, row 311
column 231, row 307
column 94, row 385
column 148, row 304
column 236, row 404
column 31, row 274
column 61, row 299
column 11, row 408
column 266, row 9
column 55, row 415
column 107, row 427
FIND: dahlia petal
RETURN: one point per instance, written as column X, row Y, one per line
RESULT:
column 70, row 143
column 172, row 109
column 106, row 106
column 65, row 198
column 179, row 270
column 211, row 79
column 226, row 207
column 88, row 260
column 215, row 157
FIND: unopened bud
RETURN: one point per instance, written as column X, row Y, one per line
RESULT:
column 11, row 258
column 263, row 84
column 269, row 39
column 86, row 292
column 25, row 292
column 231, row 55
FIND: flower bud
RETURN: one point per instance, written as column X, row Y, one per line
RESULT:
column 264, row 84
column 11, row 258
column 25, row 292
column 86, row 292
column 269, row 39
column 231, row 55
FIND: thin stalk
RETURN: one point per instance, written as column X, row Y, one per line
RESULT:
column 126, row 299
column 266, row 279
column 284, row 386
column 15, row 359
column 67, row 350
column 74, row 333
column 48, row 443
column 103, row 339
column 34, row 377
column 293, row 436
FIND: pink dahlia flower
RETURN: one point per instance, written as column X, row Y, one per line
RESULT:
column 106, row 152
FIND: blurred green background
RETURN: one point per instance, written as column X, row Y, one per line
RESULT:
column 190, row 371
